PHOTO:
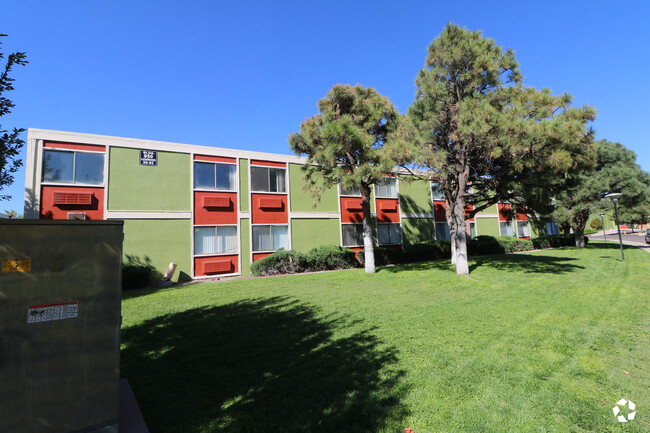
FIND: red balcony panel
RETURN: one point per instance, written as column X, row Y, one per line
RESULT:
column 505, row 211
column 521, row 214
column 269, row 209
column 351, row 210
column 260, row 256
column 58, row 201
column 387, row 210
column 215, row 265
column 215, row 207
column 468, row 209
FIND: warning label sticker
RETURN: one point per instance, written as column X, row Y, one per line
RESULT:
column 16, row 265
column 51, row 312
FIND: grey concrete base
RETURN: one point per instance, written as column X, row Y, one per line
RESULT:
column 131, row 420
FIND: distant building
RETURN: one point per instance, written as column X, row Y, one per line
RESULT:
column 214, row 211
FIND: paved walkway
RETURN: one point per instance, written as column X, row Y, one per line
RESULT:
column 635, row 240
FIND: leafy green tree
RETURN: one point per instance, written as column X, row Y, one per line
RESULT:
column 480, row 126
column 10, row 141
column 612, row 168
column 344, row 145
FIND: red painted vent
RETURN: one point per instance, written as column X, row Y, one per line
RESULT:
column 271, row 203
column 216, row 201
column 72, row 198
column 389, row 207
column 217, row 266
column 353, row 205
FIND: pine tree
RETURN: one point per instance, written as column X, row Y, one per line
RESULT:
column 480, row 126
column 344, row 145
column 10, row 142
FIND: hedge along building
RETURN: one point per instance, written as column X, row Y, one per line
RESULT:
column 214, row 211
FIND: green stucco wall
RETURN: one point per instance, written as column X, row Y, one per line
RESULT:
column 416, row 230
column 303, row 201
column 415, row 196
column 243, row 185
column 309, row 233
column 492, row 209
column 245, row 247
column 132, row 186
column 487, row 226
column 159, row 242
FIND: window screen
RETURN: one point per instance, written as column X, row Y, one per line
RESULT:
column 352, row 235
column 387, row 187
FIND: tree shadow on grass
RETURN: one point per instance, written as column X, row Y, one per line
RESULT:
column 262, row 365
column 524, row 263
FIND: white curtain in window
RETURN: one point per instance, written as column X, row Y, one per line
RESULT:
column 383, row 234
column 507, row 228
column 204, row 240
column 387, row 187
column 226, row 240
column 523, row 229
column 280, row 236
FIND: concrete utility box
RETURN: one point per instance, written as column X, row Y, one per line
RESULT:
column 60, row 325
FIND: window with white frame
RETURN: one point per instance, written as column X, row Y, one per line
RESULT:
column 387, row 188
column 389, row 234
column 442, row 231
column 209, row 175
column 270, row 238
column 472, row 229
column 436, row 191
column 268, row 179
column 352, row 235
column 350, row 191
column 215, row 240
column 506, row 228
column 552, row 229
column 73, row 167
column 523, row 229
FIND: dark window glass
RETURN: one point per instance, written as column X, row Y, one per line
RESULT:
column 89, row 168
column 226, row 177
column 58, row 166
column 203, row 175
column 352, row 235
column 260, row 179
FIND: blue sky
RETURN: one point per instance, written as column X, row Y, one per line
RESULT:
column 244, row 74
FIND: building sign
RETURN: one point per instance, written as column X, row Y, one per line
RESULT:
column 16, row 265
column 148, row 157
column 51, row 312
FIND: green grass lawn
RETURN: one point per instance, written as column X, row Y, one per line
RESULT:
column 537, row 342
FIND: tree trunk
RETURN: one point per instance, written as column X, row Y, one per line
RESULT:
column 579, row 228
column 460, row 236
column 449, row 213
column 368, row 246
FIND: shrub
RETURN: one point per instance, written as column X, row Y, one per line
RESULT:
column 512, row 245
column 426, row 251
column 135, row 276
column 482, row 245
column 596, row 224
column 280, row 262
column 327, row 257
column 556, row 241
column 383, row 256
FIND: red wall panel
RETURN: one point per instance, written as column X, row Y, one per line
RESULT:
column 214, row 158
column 521, row 214
column 214, row 215
column 269, row 209
column 468, row 209
column 260, row 256
column 74, row 146
column 351, row 210
column 504, row 211
column 201, row 263
column 439, row 212
column 49, row 210
column 387, row 210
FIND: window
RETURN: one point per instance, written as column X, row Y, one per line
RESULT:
column 552, row 229
column 436, row 191
column 215, row 176
column 352, row 235
column 387, row 187
column 506, row 228
column 523, row 229
column 267, row 179
column 389, row 234
column 472, row 229
column 215, row 240
column 350, row 191
column 73, row 167
column 442, row 232
column 270, row 238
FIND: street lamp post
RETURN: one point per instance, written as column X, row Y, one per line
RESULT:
column 602, row 220
column 614, row 196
